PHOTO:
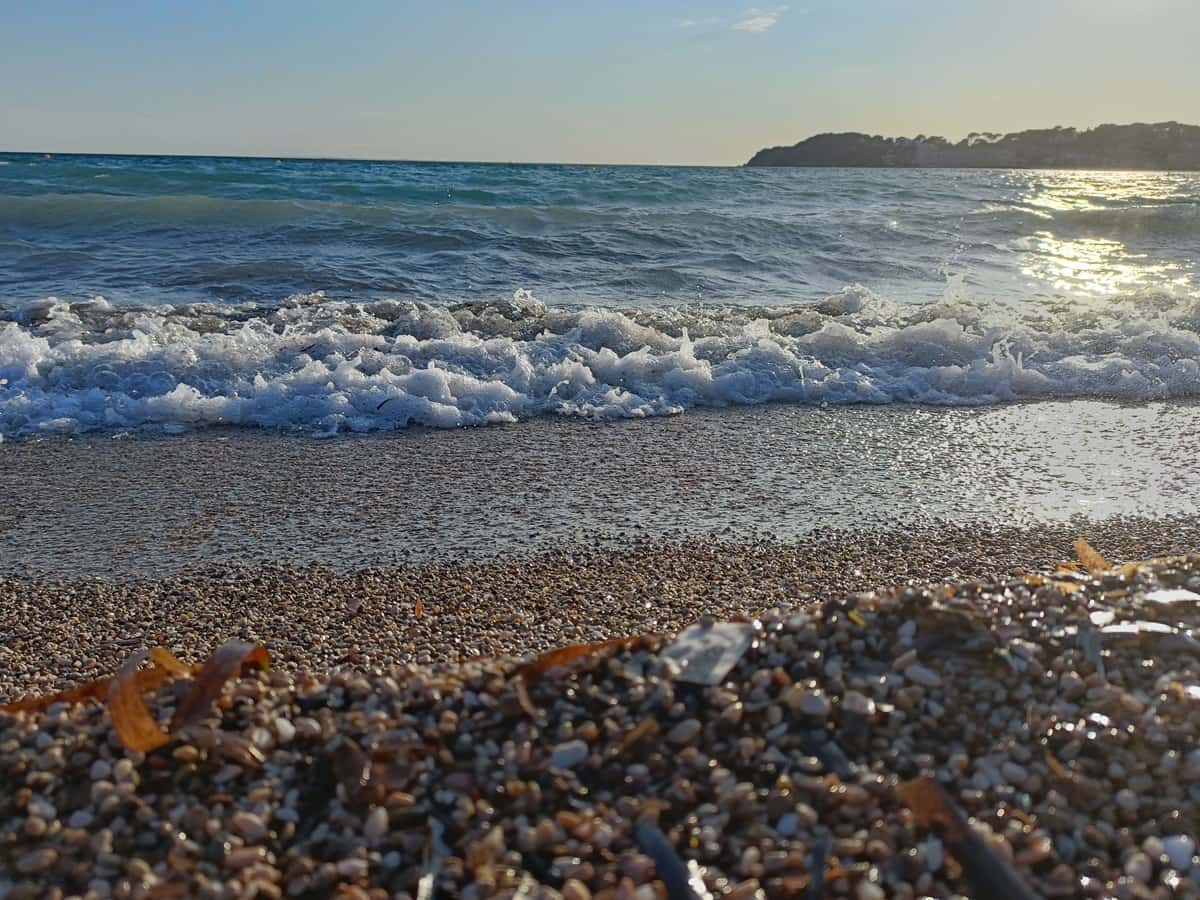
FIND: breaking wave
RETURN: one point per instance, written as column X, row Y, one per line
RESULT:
column 324, row 366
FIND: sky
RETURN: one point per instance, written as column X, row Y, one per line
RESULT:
column 619, row 81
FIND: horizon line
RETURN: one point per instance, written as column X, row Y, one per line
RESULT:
column 367, row 159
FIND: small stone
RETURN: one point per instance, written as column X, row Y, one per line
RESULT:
column 249, row 826
column 1126, row 800
column 685, row 733
column 41, row 808
column 812, row 703
column 574, row 889
column 100, row 770
column 353, row 868
column 568, row 755
column 1139, row 867
column 1015, row 774
column 868, row 890
column 1179, row 849
column 922, row 675
column 858, row 704
column 36, row 861
column 376, row 825
column 244, row 856
column 746, row 890
column 36, row 827
column 284, row 730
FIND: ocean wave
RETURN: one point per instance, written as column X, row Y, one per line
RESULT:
column 324, row 366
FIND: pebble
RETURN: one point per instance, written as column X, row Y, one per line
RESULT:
column 242, row 857
column 858, row 704
column 1139, row 868
column 376, row 825
column 569, row 754
column 407, row 762
column 353, row 868
column 1127, row 800
column 685, row 733
column 812, row 703
column 922, row 675
column 285, row 731
column 249, row 826
column 1180, row 849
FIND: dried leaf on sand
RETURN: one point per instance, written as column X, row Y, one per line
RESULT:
column 564, row 656
column 1091, row 560
column 226, row 661
column 123, row 692
column 131, row 720
column 988, row 873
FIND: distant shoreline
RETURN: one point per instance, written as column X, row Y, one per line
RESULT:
column 399, row 161
column 1161, row 147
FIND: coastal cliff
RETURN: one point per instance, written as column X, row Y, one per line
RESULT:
column 1164, row 145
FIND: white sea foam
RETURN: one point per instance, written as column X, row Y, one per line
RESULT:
column 324, row 366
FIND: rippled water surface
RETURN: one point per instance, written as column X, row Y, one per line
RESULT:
column 324, row 296
column 165, row 229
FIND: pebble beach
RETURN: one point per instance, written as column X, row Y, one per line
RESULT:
column 399, row 748
column 56, row 631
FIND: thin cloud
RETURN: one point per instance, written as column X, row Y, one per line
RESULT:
column 706, row 22
column 758, row 21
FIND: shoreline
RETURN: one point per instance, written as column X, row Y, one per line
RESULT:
column 74, row 508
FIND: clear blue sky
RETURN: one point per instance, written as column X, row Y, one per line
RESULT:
column 672, row 82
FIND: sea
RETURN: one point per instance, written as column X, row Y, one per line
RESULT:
column 322, row 298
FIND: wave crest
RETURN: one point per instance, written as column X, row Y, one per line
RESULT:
column 325, row 366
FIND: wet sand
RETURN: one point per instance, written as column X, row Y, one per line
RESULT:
column 121, row 507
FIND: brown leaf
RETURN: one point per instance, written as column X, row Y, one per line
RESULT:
column 131, row 720
column 564, row 656
column 94, row 691
column 225, row 662
column 931, row 808
column 168, row 890
column 524, row 700
column 165, row 666
column 1058, row 768
column 988, row 873
column 419, row 609
column 1092, row 561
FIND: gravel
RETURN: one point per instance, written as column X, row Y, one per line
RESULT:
column 55, row 632
column 1063, row 720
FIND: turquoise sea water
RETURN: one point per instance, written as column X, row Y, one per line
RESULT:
column 329, row 296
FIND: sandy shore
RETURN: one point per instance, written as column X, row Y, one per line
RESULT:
column 57, row 631
column 1059, row 714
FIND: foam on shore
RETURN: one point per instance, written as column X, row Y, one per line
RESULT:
column 324, row 366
